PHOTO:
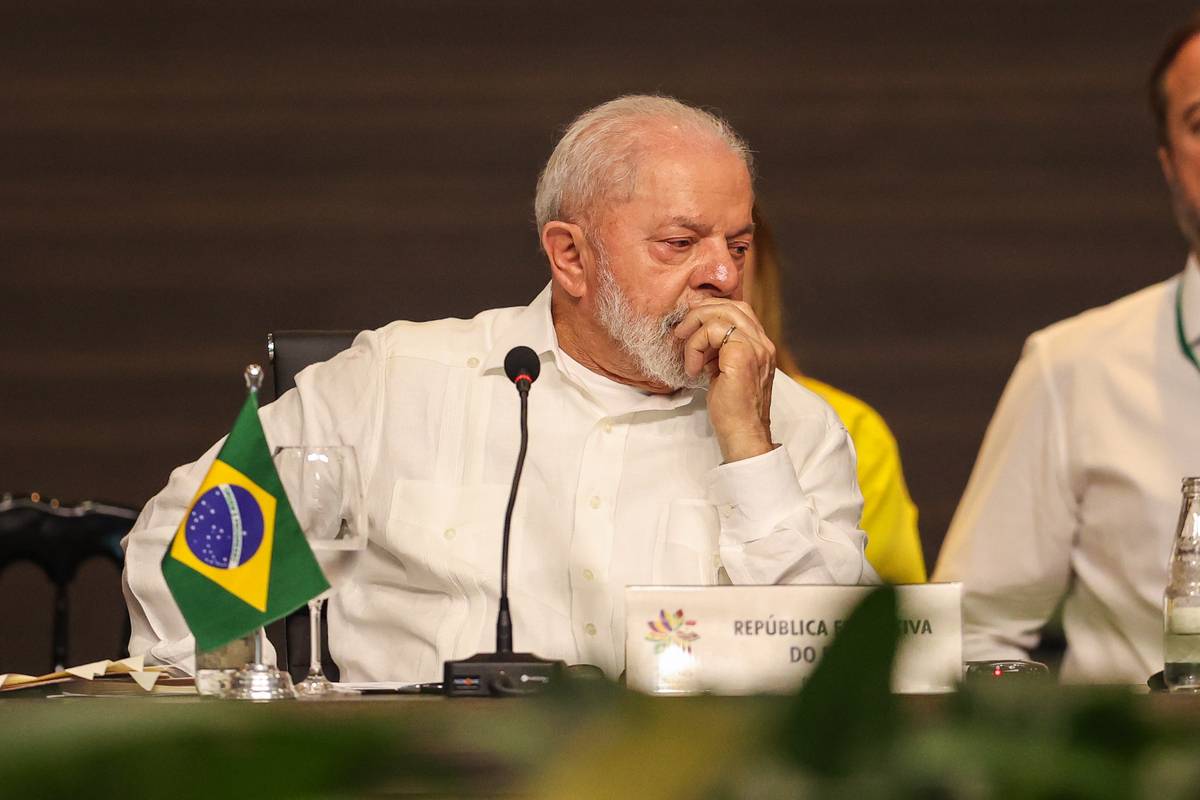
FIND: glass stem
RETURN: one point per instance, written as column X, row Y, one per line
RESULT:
column 314, row 639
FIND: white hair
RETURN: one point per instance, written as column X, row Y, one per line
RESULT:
column 596, row 158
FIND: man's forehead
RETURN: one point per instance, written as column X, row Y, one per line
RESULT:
column 698, row 197
column 698, row 170
column 1182, row 80
column 701, row 225
column 675, row 174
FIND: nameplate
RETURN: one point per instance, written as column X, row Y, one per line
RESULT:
column 750, row 639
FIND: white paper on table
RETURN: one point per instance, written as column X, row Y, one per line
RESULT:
column 134, row 666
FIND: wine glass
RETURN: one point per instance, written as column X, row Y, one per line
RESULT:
column 322, row 484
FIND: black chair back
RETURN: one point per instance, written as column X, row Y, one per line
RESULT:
column 289, row 352
column 59, row 538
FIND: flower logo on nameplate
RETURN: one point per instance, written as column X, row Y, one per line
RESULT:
column 672, row 630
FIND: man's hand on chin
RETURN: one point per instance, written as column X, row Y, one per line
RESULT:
column 726, row 339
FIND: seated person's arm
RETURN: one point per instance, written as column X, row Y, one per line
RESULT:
column 339, row 408
column 1010, row 540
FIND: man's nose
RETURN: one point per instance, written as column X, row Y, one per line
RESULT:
column 716, row 274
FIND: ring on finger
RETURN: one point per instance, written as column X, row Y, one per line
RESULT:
column 728, row 333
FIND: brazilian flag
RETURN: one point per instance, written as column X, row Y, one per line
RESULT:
column 239, row 559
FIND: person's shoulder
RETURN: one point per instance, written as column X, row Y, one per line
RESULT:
column 447, row 340
column 1125, row 325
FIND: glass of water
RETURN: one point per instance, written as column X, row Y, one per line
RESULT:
column 323, row 486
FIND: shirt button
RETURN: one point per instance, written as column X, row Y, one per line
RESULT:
column 594, row 502
column 448, row 533
column 588, row 575
column 590, row 628
column 607, row 426
column 716, row 560
column 472, row 362
column 726, row 511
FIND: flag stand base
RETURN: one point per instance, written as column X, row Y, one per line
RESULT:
column 261, row 682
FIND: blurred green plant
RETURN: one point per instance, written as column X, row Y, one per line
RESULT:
column 844, row 735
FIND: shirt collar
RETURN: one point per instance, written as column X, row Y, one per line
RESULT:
column 1190, row 291
column 532, row 327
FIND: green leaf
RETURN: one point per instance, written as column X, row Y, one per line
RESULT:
column 846, row 713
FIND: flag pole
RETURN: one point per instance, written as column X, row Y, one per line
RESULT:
column 259, row 680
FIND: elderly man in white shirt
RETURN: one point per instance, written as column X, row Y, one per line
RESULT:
column 1076, row 492
column 663, row 446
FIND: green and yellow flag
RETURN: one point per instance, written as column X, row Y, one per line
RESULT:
column 239, row 559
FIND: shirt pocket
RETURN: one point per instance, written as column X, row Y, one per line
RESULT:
column 687, row 550
column 447, row 531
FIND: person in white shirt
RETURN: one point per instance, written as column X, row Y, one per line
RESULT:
column 663, row 447
column 1075, row 495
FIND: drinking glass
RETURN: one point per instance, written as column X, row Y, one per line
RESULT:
column 322, row 484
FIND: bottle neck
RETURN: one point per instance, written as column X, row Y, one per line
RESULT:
column 1187, row 530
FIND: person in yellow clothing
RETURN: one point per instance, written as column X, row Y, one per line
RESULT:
column 889, row 516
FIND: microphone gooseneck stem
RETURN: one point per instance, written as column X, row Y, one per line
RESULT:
column 504, row 643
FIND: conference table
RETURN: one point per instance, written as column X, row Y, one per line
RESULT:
column 595, row 740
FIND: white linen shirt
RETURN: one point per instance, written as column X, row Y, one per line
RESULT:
column 1076, row 491
column 627, row 488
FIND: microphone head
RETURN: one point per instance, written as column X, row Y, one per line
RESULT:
column 522, row 363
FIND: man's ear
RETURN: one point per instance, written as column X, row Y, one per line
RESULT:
column 566, row 249
column 1164, row 161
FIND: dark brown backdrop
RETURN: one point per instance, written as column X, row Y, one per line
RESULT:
column 179, row 178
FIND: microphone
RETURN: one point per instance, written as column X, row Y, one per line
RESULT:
column 504, row 672
column 522, row 367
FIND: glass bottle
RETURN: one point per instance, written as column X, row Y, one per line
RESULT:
column 1181, row 600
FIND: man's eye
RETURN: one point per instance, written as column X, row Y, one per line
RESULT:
column 739, row 249
column 679, row 244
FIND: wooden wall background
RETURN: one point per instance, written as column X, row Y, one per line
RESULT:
column 178, row 178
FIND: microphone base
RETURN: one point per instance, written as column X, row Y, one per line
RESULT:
column 500, row 675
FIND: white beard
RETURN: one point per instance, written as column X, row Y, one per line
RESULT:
column 649, row 341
